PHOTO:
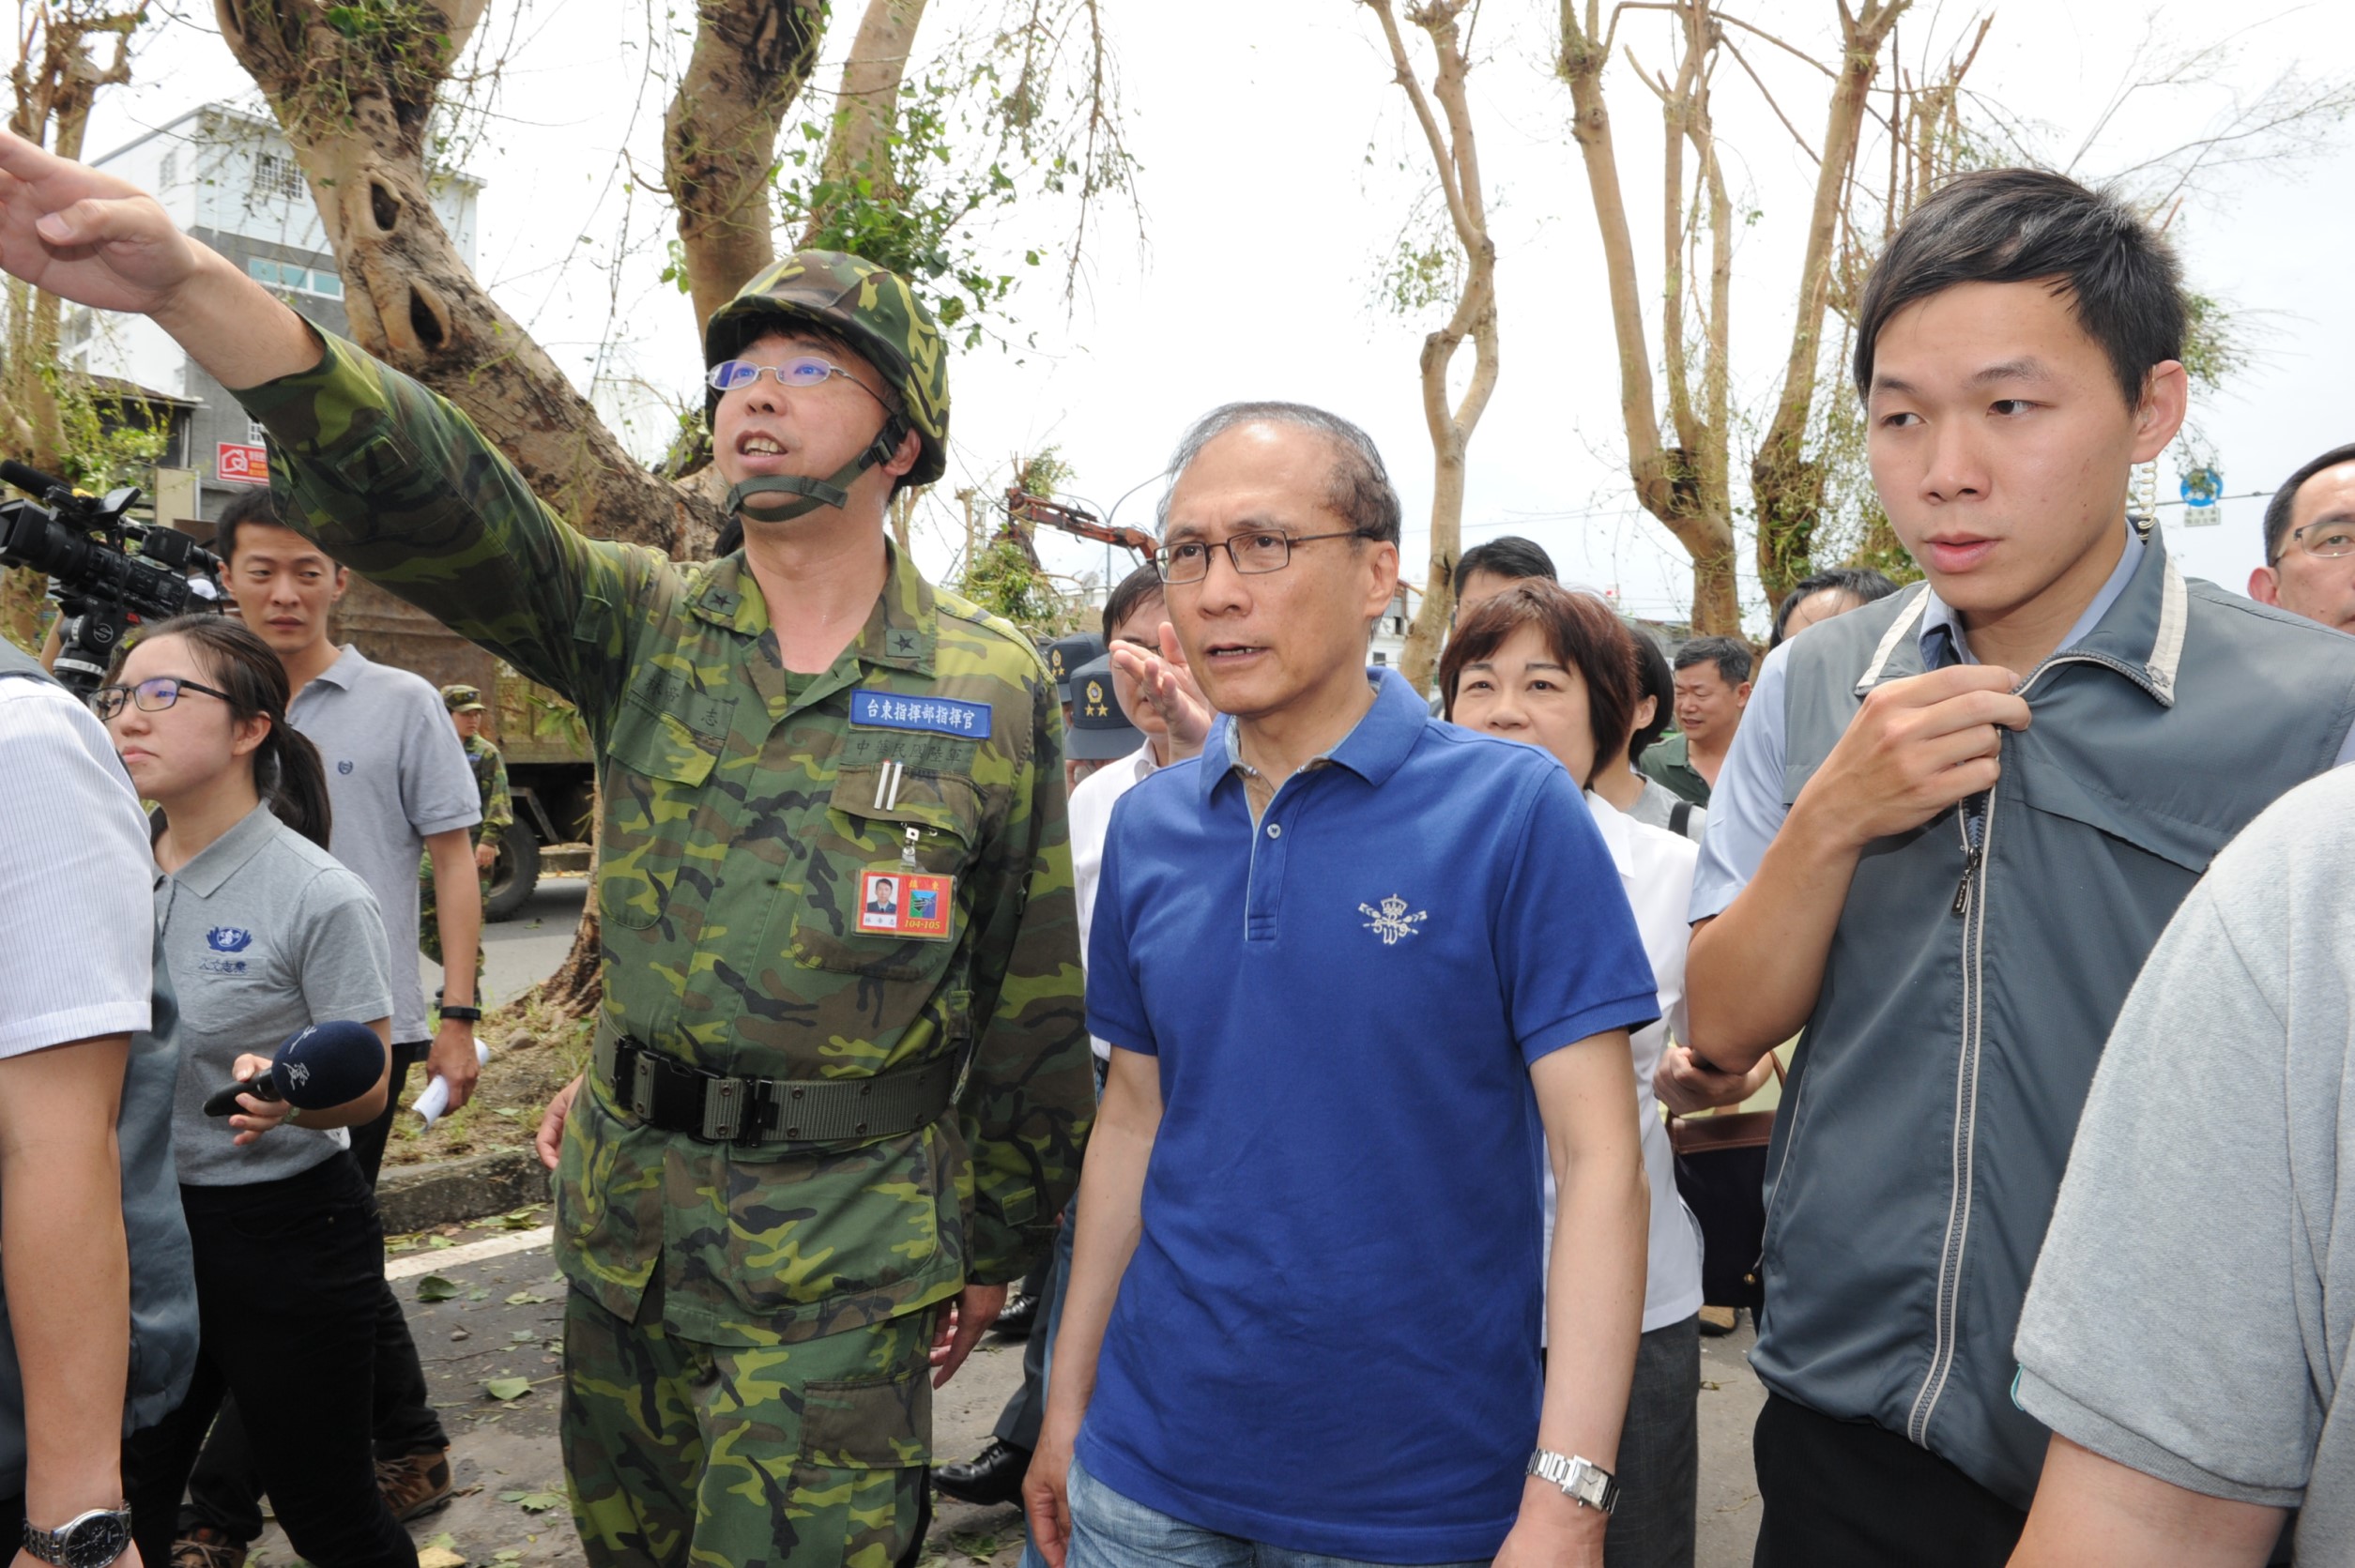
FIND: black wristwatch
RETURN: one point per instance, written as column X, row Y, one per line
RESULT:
column 90, row 1540
column 466, row 1015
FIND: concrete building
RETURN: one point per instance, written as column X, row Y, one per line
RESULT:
column 230, row 179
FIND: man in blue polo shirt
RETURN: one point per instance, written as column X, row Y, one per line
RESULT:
column 1362, row 973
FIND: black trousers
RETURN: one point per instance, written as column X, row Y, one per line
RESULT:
column 287, row 1277
column 226, row 1491
column 1846, row 1494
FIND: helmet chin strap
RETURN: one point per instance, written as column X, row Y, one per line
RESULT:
column 799, row 497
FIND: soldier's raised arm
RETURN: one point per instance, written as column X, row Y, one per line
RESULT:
column 392, row 479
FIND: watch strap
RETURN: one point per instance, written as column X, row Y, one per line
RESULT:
column 1582, row 1481
column 468, row 1015
column 63, row 1547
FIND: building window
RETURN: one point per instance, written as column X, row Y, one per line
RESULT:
column 277, row 175
column 298, row 279
column 256, row 434
column 170, row 172
column 1380, row 658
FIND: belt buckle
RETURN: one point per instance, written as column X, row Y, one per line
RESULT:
column 638, row 1061
column 723, row 1108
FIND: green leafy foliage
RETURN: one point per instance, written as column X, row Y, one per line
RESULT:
column 507, row 1387
column 1005, row 581
column 437, row 1288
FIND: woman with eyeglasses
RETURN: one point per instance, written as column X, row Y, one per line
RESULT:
column 266, row 934
column 1558, row 669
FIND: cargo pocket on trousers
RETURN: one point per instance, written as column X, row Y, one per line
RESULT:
column 868, row 1423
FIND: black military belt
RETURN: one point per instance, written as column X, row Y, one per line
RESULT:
column 662, row 1091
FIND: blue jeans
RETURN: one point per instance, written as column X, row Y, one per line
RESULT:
column 1109, row 1530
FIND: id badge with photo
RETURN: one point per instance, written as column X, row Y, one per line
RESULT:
column 901, row 900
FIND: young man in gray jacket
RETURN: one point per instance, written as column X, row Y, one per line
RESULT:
column 1949, row 833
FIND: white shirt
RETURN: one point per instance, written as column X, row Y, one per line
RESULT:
column 1091, row 819
column 75, row 875
column 1656, row 869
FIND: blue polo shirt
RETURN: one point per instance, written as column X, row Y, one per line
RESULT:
column 1327, row 1337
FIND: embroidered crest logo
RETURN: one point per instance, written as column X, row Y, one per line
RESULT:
column 345, row 767
column 228, row 938
column 1391, row 923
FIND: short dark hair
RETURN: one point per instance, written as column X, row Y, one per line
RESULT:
column 2028, row 225
column 1130, row 592
column 1731, row 656
column 1860, row 583
column 246, row 506
column 1585, row 634
column 1359, row 492
column 1511, row 557
column 1653, row 680
column 2284, row 501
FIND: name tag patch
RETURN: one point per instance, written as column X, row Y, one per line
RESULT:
column 936, row 715
column 909, row 904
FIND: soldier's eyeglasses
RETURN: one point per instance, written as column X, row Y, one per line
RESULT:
column 1188, row 560
column 801, row 372
column 152, row 695
column 2328, row 539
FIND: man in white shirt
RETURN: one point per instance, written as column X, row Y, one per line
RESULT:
column 1132, row 695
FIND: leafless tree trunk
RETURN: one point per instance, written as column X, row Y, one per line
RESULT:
column 1456, row 159
column 751, row 60
column 357, row 107
column 867, row 106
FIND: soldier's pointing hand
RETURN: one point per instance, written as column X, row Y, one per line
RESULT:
column 86, row 235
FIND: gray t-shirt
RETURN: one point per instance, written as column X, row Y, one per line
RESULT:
column 396, row 775
column 1657, row 808
column 2213, row 1164
column 265, row 933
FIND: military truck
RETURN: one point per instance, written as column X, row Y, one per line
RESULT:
column 548, row 769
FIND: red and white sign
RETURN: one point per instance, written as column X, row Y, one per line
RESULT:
column 243, row 464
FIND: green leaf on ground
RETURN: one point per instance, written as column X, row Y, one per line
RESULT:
column 437, row 1288
column 508, row 1387
column 526, row 1297
column 539, row 1502
column 478, row 1294
column 440, row 1242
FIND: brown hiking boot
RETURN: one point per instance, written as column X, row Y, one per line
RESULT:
column 412, row 1484
column 204, row 1546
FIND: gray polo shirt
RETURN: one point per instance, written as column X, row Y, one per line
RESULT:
column 396, row 775
column 265, row 933
column 2212, row 1167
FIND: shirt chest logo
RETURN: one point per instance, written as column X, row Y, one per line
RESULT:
column 343, row 767
column 1391, row 923
column 939, row 715
column 228, row 938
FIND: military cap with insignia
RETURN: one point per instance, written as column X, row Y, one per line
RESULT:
column 1066, row 654
column 1099, row 730
column 462, row 698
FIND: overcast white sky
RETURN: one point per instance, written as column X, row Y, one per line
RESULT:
column 1278, row 161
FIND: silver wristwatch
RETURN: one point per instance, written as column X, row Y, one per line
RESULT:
column 1582, row 1481
column 90, row 1540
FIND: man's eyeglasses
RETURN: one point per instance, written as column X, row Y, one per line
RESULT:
column 1188, row 560
column 151, row 696
column 801, row 372
column 2328, row 539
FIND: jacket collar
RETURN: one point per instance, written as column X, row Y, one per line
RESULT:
column 2134, row 627
column 1373, row 749
column 902, row 631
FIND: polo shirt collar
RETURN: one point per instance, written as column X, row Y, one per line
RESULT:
column 1618, row 836
column 344, row 673
column 901, row 632
column 226, row 855
column 2134, row 626
column 1373, row 747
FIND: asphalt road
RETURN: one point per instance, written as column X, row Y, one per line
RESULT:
column 518, row 955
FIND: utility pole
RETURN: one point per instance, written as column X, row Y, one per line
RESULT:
column 966, row 495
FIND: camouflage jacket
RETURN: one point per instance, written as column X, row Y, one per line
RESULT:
column 737, row 814
column 490, row 779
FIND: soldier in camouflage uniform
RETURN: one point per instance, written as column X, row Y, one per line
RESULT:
column 466, row 709
column 815, row 1143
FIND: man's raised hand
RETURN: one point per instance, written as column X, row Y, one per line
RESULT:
column 88, row 237
column 1916, row 748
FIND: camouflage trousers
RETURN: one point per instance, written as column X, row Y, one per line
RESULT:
column 811, row 1454
column 429, row 925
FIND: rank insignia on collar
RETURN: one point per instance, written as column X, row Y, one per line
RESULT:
column 903, row 644
column 1391, row 923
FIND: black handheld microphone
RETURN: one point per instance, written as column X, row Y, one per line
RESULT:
column 323, row 1065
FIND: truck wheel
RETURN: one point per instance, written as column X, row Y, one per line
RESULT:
column 514, row 873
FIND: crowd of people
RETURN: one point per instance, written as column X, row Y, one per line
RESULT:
column 1369, row 1012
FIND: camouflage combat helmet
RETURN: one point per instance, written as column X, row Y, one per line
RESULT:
column 874, row 311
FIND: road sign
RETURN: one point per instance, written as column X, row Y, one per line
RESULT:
column 240, row 463
column 2202, row 486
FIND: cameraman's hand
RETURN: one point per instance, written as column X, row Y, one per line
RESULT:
column 89, row 236
column 1914, row 749
column 259, row 1116
column 551, row 1141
